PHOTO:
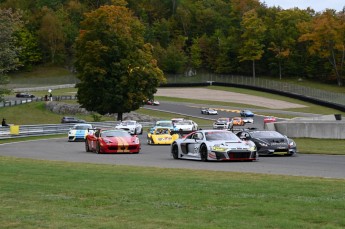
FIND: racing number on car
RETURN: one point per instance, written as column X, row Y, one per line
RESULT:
column 196, row 149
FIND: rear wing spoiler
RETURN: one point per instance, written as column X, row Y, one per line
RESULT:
column 181, row 132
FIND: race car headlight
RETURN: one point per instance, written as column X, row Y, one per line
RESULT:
column 69, row 132
column 292, row 144
column 136, row 141
column 252, row 148
column 263, row 143
column 218, row 148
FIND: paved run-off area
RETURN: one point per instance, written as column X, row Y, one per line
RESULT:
column 225, row 96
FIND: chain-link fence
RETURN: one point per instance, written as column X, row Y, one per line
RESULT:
column 331, row 97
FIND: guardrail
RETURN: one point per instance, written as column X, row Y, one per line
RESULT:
column 9, row 103
column 51, row 129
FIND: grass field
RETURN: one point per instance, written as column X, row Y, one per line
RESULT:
column 43, row 194
column 42, row 76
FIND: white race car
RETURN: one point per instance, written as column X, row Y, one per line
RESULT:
column 133, row 127
column 213, row 145
column 186, row 125
column 223, row 123
column 78, row 132
column 248, row 120
column 209, row 111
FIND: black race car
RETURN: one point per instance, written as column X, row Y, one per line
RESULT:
column 24, row 95
column 66, row 119
column 269, row 142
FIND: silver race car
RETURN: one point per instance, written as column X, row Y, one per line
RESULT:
column 213, row 145
column 131, row 126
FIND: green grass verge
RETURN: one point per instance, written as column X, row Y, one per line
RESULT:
column 36, row 113
column 42, row 194
column 320, row 146
column 32, row 138
column 42, row 76
column 310, row 83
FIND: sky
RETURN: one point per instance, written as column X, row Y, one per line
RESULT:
column 317, row 5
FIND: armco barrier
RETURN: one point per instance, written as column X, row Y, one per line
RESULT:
column 323, row 129
column 51, row 129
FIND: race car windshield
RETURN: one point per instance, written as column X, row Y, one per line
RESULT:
column 184, row 123
column 128, row 123
column 225, row 136
column 115, row 134
column 82, row 127
column 163, row 124
column 266, row 134
column 162, row 131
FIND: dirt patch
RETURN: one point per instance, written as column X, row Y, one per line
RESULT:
column 225, row 96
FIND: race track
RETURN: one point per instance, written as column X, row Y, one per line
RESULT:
column 159, row 156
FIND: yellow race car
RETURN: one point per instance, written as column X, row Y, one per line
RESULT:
column 161, row 136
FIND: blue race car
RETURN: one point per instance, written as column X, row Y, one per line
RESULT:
column 78, row 132
column 246, row 113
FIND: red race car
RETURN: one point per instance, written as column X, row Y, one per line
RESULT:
column 269, row 119
column 111, row 141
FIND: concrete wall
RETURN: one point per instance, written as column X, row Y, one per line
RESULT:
column 310, row 129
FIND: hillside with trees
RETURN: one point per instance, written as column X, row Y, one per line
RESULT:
column 220, row 36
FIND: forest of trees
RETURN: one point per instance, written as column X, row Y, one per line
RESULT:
column 220, row 36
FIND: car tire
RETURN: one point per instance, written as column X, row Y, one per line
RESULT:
column 87, row 148
column 203, row 152
column 149, row 141
column 174, row 151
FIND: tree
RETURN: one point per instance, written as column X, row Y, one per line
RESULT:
column 325, row 35
column 29, row 53
column 174, row 59
column 283, row 33
column 10, row 23
column 114, row 64
column 253, row 35
column 52, row 35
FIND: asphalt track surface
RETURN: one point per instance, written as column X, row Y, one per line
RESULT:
column 326, row 166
